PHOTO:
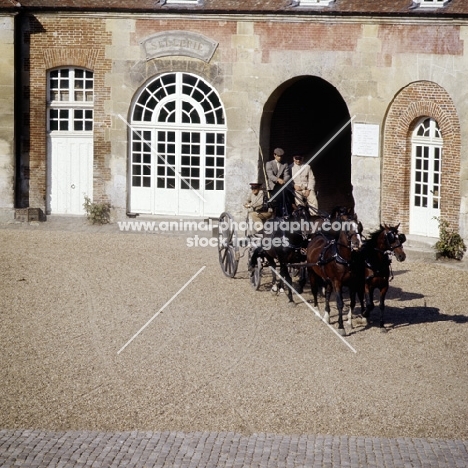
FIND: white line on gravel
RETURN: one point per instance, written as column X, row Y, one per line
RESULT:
column 161, row 309
column 315, row 311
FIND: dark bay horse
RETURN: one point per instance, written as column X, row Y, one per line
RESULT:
column 330, row 258
column 376, row 258
column 285, row 241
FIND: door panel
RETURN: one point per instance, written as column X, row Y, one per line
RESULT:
column 71, row 173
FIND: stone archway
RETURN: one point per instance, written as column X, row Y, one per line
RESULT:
column 301, row 116
column 419, row 99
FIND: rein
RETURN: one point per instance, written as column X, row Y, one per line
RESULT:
column 388, row 254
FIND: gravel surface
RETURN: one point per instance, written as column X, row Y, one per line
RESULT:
column 221, row 356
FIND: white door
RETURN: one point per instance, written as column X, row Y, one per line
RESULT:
column 178, row 148
column 71, row 173
column 426, row 179
column 70, row 139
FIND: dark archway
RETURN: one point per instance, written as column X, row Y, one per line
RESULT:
column 301, row 116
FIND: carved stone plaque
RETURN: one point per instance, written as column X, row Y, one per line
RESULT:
column 179, row 43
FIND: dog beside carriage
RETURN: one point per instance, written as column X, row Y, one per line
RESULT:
column 326, row 250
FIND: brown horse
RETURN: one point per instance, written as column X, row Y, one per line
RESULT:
column 376, row 257
column 329, row 258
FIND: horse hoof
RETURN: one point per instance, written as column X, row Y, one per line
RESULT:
column 292, row 304
column 341, row 332
column 281, row 291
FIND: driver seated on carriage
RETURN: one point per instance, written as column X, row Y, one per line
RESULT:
column 257, row 203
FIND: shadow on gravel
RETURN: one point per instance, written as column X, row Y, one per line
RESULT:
column 397, row 294
column 406, row 316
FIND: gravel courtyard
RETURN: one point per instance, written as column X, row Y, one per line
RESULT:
column 221, row 356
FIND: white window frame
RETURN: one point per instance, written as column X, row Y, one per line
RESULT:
column 71, row 104
column 431, row 3
column 181, row 2
column 315, row 2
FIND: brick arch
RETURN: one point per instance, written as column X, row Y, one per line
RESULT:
column 419, row 99
column 85, row 58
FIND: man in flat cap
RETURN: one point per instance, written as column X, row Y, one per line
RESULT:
column 277, row 174
column 256, row 202
column 303, row 184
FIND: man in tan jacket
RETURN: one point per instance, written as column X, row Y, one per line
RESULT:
column 256, row 203
column 303, row 184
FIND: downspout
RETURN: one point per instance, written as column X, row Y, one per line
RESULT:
column 21, row 198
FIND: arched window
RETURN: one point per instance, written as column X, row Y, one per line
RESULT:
column 426, row 176
column 178, row 147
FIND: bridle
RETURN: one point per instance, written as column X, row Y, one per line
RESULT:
column 393, row 241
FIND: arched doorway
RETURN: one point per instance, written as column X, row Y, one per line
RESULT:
column 407, row 115
column 302, row 116
column 177, row 148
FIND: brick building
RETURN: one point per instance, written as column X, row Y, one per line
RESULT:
column 168, row 107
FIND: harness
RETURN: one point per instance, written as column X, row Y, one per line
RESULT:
column 388, row 253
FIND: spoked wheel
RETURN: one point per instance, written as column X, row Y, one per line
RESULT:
column 256, row 277
column 227, row 246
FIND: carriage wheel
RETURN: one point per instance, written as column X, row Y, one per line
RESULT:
column 256, row 278
column 227, row 246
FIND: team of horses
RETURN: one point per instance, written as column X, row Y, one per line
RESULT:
column 332, row 254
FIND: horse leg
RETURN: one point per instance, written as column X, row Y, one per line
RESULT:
column 357, row 289
column 339, row 305
column 274, row 286
column 328, row 291
column 313, row 286
column 352, row 305
column 284, row 271
column 369, row 297
column 383, row 293
column 302, row 280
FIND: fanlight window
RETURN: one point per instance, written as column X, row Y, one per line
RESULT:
column 428, row 128
column 158, row 102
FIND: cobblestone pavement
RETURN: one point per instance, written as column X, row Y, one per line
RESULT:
column 34, row 448
column 40, row 448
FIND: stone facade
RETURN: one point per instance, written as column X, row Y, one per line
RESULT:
column 7, row 112
column 379, row 71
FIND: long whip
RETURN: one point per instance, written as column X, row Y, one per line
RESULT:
column 263, row 163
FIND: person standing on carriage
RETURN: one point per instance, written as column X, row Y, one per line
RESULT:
column 257, row 203
column 303, row 184
column 278, row 175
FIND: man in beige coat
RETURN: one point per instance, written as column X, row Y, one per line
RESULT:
column 256, row 203
column 303, row 184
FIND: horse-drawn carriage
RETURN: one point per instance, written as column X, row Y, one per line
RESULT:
column 328, row 249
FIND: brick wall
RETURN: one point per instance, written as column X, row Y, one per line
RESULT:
column 55, row 42
column 419, row 99
column 306, row 36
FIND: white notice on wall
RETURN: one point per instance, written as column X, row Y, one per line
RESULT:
column 366, row 140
